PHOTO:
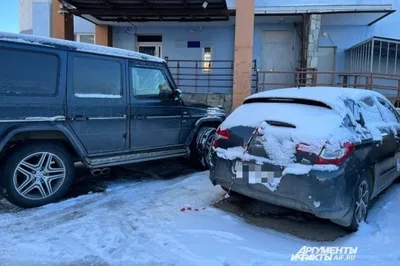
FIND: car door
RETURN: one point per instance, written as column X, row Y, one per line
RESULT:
column 384, row 147
column 156, row 114
column 392, row 118
column 97, row 102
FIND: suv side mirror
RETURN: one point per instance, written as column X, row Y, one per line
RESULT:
column 178, row 95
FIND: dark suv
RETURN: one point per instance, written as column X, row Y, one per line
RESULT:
column 64, row 102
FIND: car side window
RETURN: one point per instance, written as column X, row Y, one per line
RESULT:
column 96, row 77
column 370, row 111
column 388, row 112
column 26, row 72
column 150, row 82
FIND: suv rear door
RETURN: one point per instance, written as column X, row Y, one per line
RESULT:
column 97, row 102
column 156, row 115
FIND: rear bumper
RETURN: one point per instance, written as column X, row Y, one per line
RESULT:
column 325, row 194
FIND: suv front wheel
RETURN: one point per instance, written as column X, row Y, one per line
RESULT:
column 200, row 149
column 37, row 174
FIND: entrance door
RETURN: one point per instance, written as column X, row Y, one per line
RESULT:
column 278, row 54
column 97, row 102
column 150, row 48
column 326, row 63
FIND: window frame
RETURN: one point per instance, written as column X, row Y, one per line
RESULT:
column 160, row 67
column 97, row 95
column 36, row 51
column 77, row 36
column 204, row 61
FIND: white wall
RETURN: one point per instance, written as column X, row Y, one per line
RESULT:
column 35, row 18
column 41, row 20
column 174, row 46
column 83, row 26
column 25, row 16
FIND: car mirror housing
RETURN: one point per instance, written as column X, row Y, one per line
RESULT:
column 178, row 95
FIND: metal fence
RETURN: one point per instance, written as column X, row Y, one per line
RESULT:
column 198, row 76
column 386, row 84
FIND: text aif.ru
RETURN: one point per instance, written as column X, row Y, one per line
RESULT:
column 324, row 254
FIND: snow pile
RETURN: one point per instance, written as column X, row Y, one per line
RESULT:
column 140, row 223
column 84, row 47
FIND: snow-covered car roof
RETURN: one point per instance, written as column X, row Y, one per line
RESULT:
column 72, row 45
column 331, row 96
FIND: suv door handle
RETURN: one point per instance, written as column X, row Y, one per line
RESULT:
column 79, row 118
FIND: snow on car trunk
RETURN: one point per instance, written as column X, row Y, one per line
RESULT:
column 283, row 124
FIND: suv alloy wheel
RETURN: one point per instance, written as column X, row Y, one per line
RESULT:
column 37, row 174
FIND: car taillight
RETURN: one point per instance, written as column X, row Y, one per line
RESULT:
column 220, row 134
column 329, row 154
column 335, row 156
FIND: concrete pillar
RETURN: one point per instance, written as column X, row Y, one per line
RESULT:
column 62, row 24
column 244, row 29
column 313, row 40
column 104, row 35
column 314, row 26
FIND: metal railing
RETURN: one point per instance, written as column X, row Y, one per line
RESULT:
column 198, row 76
column 386, row 84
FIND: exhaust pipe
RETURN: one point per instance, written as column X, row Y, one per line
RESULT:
column 105, row 171
column 95, row 172
column 98, row 171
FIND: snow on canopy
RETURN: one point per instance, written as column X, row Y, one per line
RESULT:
column 83, row 47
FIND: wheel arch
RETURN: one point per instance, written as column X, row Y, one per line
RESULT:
column 28, row 133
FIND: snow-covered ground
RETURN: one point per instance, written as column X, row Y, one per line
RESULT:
column 140, row 223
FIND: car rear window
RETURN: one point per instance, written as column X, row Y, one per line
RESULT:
column 28, row 72
column 286, row 100
column 309, row 119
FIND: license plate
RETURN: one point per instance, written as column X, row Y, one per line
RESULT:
column 239, row 169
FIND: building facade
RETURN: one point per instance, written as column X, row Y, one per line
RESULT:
column 220, row 51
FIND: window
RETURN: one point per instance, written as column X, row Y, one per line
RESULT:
column 370, row 111
column 86, row 38
column 206, row 59
column 388, row 112
column 150, row 82
column 28, row 72
column 94, row 77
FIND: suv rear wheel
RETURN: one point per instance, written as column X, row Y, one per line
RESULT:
column 37, row 174
column 200, row 149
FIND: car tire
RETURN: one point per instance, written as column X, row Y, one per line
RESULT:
column 37, row 174
column 362, row 197
column 200, row 149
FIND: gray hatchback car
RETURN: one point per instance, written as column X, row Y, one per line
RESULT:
column 327, row 151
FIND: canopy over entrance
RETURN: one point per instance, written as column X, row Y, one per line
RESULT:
column 105, row 11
